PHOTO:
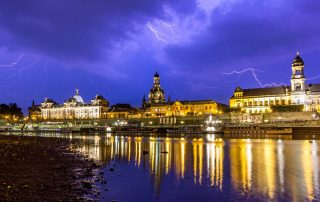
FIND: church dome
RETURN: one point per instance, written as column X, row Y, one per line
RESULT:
column 297, row 61
column 157, row 89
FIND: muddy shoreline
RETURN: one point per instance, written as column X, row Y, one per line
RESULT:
column 46, row 169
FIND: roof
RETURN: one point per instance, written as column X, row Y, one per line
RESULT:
column 155, row 89
column 238, row 89
column 185, row 102
column 314, row 87
column 99, row 97
column 156, row 75
column 195, row 102
column 78, row 98
column 266, row 91
column 122, row 108
column 297, row 60
column 49, row 100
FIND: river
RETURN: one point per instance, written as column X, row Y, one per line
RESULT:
column 205, row 169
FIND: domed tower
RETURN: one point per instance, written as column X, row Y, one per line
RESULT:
column 297, row 78
column 156, row 95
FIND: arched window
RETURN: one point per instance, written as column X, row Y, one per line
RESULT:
column 298, row 86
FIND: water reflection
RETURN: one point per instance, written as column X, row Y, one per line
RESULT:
column 250, row 169
column 215, row 164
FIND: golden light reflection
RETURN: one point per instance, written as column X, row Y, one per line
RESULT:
column 129, row 149
column 167, row 156
column 215, row 166
column 197, row 145
column 270, row 168
column 183, row 151
column 195, row 155
column 241, row 165
column 267, row 167
column 152, row 155
column 280, row 163
column 310, row 169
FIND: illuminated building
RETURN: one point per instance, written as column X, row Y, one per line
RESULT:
column 34, row 111
column 156, row 95
column 264, row 100
column 186, row 108
column 75, row 108
column 123, row 111
column 157, row 106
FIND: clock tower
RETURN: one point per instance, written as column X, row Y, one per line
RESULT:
column 298, row 78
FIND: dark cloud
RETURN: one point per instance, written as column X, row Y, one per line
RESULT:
column 258, row 34
column 77, row 29
column 249, row 33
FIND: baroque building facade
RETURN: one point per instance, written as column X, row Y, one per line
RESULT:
column 262, row 100
column 186, row 108
column 74, row 108
column 157, row 106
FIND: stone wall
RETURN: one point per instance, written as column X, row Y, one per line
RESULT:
column 290, row 116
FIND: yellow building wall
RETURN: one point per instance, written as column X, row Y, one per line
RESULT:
column 179, row 109
column 258, row 104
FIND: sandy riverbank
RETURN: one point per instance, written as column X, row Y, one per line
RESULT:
column 45, row 169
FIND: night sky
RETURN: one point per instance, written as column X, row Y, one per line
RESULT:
column 114, row 47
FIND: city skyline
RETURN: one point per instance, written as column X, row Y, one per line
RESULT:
column 191, row 44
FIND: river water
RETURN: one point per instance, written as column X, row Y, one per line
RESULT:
column 206, row 169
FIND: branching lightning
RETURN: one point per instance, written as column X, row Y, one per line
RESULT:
column 93, row 84
column 253, row 71
column 18, row 73
column 313, row 78
column 14, row 62
column 169, row 26
column 160, row 35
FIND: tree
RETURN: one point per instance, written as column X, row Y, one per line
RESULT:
column 11, row 110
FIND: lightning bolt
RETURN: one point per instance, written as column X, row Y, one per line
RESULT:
column 255, row 76
column 18, row 73
column 14, row 62
column 160, row 35
column 313, row 78
column 169, row 26
column 93, row 84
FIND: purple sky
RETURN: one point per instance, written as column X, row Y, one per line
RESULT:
column 49, row 48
